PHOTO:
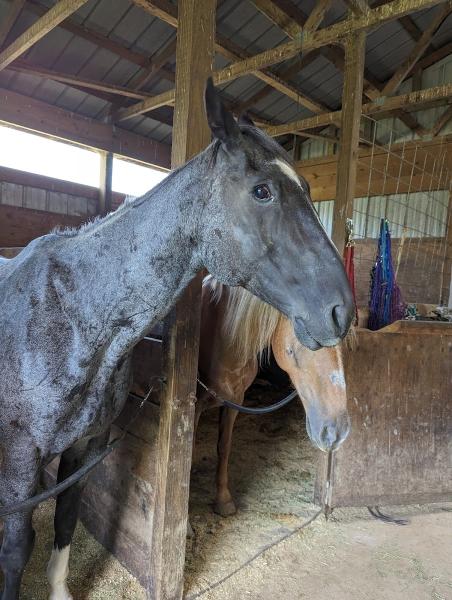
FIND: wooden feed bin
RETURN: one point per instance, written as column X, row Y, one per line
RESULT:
column 399, row 387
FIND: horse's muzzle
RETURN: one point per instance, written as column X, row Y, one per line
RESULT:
column 328, row 434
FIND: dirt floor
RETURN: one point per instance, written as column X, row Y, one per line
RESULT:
column 350, row 557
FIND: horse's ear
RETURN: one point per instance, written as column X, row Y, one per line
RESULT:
column 245, row 119
column 221, row 122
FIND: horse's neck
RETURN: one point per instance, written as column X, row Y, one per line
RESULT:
column 130, row 267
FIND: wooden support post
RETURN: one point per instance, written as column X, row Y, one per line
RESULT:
column 194, row 61
column 106, row 175
column 446, row 296
column 355, row 47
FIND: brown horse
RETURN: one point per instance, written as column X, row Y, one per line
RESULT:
column 237, row 328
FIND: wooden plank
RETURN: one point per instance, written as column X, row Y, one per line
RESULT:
column 424, row 41
column 106, row 175
column 400, row 402
column 358, row 7
column 58, row 123
column 10, row 19
column 18, row 226
column 412, row 101
column 195, row 54
column 355, row 52
column 52, row 18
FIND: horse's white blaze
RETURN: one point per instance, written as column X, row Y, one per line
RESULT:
column 337, row 378
column 57, row 572
column 287, row 170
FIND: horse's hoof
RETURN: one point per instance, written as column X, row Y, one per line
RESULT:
column 225, row 509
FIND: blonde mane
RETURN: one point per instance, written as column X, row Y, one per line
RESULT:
column 249, row 323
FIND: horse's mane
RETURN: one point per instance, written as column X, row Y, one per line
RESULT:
column 249, row 323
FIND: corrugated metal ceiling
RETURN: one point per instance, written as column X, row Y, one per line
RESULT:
column 237, row 20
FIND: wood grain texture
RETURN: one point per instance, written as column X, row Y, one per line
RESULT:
column 309, row 41
column 51, row 19
column 105, row 203
column 18, row 226
column 398, row 451
column 194, row 60
column 355, row 52
column 435, row 96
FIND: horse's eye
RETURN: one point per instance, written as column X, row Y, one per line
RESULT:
column 263, row 193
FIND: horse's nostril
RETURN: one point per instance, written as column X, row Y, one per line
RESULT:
column 341, row 318
column 329, row 437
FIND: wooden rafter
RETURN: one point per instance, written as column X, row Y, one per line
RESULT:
column 80, row 82
column 420, row 47
column 355, row 55
column 414, row 101
column 105, row 42
column 441, row 122
column 309, row 41
column 56, row 122
column 168, row 13
column 10, row 19
column 51, row 19
column 311, row 23
column 358, row 7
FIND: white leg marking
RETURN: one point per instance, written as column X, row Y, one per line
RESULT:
column 57, row 572
column 287, row 170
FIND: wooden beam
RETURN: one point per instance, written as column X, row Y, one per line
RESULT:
column 195, row 55
column 80, row 82
column 309, row 41
column 435, row 56
column 278, row 17
column 38, row 30
column 312, row 23
column 412, row 101
column 447, row 262
column 168, row 12
column 441, row 122
column 105, row 183
column 103, row 41
column 10, row 19
column 420, row 47
column 58, row 123
column 355, row 54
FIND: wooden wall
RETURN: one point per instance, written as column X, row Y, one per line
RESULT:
column 32, row 205
column 421, row 263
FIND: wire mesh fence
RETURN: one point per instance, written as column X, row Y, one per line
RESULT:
column 408, row 184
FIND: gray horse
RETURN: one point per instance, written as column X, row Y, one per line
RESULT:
column 73, row 304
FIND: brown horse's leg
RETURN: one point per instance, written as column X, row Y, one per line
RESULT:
column 224, row 504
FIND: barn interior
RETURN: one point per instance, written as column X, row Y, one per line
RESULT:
column 359, row 94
